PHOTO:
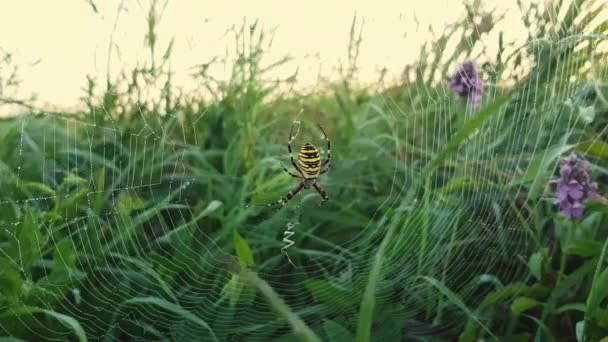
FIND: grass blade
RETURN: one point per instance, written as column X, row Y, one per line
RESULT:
column 368, row 303
column 66, row 320
column 469, row 128
column 452, row 297
column 176, row 309
column 299, row 327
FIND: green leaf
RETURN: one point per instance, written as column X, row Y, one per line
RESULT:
column 64, row 256
column 368, row 302
column 10, row 339
column 543, row 333
column 596, row 207
column 601, row 318
column 68, row 321
column 539, row 169
column 11, row 283
column 176, row 309
column 464, row 183
column 243, row 252
column 69, row 206
column 536, row 264
column 127, row 203
column 298, row 326
column 599, row 291
column 595, row 148
column 147, row 269
column 129, row 229
column 183, row 232
column 584, row 248
column 74, row 180
column 512, row 291
column 234, row 289
column 573, row 279
column 571, row 307
column 500, row 295
column 455, row 299
column 513, row 338
column 324, row 292
column 64, row 319
column 523, row 304
column 465, row 132
column 38, row 187
column 55, row 285
column 26, row 243
column 98, row 196
column 337, row 333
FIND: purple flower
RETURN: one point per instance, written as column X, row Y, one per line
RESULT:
column 467, row 82
column 574, row 186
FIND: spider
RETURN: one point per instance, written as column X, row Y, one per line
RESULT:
column 309, row 167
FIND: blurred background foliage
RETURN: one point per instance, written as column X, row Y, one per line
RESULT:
column 144, row 217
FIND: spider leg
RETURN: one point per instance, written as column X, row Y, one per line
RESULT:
column 293, row 161
column 295, row 165
column 328, row 146
column 324, row 170
column 289, row 172
column 290, row 195
column 324, row 196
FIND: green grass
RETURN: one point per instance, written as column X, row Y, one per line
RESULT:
column 150, row 221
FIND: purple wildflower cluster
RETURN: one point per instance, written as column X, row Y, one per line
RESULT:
column 574, row 186
column 467, row 82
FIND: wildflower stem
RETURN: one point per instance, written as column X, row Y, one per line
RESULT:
column 564, row 244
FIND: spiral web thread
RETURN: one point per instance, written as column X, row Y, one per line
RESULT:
column 442, row 234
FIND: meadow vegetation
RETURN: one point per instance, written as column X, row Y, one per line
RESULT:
column 144, row 217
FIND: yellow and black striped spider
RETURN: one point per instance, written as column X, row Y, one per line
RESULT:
column 309, row 167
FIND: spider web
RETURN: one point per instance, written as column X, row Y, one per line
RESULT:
column 155, row 260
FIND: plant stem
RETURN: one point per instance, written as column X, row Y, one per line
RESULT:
column 299, row 327
column 562, row 262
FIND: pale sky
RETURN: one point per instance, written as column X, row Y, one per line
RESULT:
column 69, row 40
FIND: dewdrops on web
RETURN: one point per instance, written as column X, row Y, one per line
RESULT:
column 574, row 186
column 467, row 83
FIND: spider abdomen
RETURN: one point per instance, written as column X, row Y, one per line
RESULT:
column 309, row 160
